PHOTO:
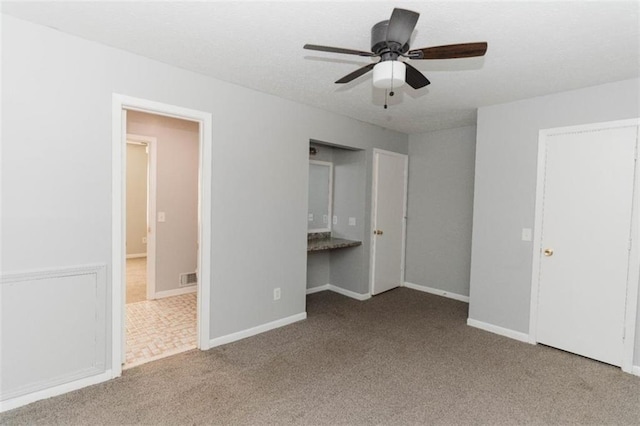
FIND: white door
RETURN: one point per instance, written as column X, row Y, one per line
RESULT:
column 585, row 242
column 388, row 220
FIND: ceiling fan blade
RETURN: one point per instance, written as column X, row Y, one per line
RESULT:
column 357, row 73
column 337, row 50
column 415, row 78
column 401, row 25
column 463, row 50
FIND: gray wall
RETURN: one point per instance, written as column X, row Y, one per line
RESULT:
column 136, row 199
column 318, row 269
column 177, row 163
column 346, row 268
column 350, row 266
column 259, row 165
column 323, row 152
column 505, row 184
column 440, row 207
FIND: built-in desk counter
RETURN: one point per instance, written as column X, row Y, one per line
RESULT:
column 323, row 241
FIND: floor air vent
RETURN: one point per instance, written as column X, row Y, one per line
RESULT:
column 187, row 279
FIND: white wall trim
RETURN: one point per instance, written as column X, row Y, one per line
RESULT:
column 176, row 292
column 633, row 275
column 443, row 293
column 512, row 334
column 30, row 392
column 120, row 105
column 349, row 293
column 633, row 272
column 136, row 255
column 318, row 288
column 19, row 401
column 340, row 290
column 233, row 337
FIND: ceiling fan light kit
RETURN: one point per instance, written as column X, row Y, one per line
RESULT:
column 389, row 74
column 389, row 42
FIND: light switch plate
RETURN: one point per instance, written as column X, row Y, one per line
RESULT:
column 310, row 217
column 352, row 221
column 161, row 217
column 527, row 235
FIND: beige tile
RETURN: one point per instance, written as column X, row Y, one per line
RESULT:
column 159, row 328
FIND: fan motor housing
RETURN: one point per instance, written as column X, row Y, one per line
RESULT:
column 379, row 40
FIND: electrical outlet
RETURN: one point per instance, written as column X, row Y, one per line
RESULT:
column 352, row 221
column 310, row 217
column 335, row 220
column 276, row 293
column 144, row 240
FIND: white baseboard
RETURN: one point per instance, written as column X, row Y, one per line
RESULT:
column 136, row 255
column 340, row 290
column 635, row 370
column 318, row 289
column 223, row 340
column 19, row 401
column 176, row 292
column 512, row 334
column 443, row 293
column 349, row 293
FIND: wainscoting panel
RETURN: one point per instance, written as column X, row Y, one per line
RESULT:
column 52, row 327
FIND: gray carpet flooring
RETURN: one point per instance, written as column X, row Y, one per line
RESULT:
column 403, row 357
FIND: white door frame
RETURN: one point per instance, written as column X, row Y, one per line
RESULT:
column 374, row 188
column 152, row 159
column 633, row 274
column 120, row 104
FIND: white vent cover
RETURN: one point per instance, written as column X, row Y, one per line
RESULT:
column 188, row 278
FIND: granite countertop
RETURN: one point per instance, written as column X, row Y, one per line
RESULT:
column 319, row 244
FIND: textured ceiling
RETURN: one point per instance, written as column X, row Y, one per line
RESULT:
column 535, row 48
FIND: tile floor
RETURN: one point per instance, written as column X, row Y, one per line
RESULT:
column 160, row 328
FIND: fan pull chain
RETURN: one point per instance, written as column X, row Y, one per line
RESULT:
column 385, row 98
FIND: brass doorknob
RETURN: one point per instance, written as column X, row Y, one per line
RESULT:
column 548, row 252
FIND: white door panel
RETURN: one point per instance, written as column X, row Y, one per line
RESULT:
column 389, row 201
column 588, row 191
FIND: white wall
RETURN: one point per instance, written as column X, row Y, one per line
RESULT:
column 440, row 209
column 176, row 193
column 60, row 88
column 505, row 184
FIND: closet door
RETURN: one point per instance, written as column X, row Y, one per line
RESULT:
column 585, row 240
column 388, row 220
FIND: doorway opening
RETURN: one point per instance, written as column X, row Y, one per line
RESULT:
column 161, row 236
column 161, row 263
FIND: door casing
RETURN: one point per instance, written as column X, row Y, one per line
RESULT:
column 120, row 105
column 374, row 186
column 151, row 143
column 633, row 274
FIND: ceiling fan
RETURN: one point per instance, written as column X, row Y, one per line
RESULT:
column 389, row 42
